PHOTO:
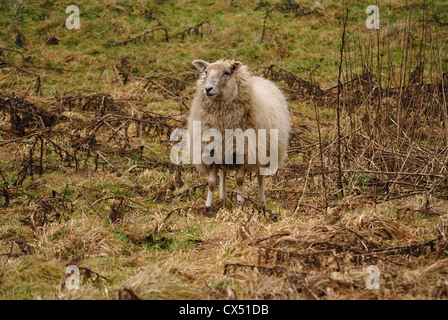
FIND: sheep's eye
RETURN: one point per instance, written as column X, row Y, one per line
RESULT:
column 226, row 73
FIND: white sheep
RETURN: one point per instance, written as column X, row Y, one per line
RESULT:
column 228, row 96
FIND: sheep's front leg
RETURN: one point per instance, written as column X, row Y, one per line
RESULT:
column 222, row 184
column 261, row 183
column 212, row 177
column 239, row 177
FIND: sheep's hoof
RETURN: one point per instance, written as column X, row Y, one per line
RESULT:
column 262, row 207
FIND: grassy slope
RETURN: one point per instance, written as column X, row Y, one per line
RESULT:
column 186, row 259
column 293, row 41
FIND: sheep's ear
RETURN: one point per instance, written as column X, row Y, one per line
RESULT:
column 201, row 65
column 236, row 65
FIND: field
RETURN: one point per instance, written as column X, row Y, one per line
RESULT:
column 86, row 178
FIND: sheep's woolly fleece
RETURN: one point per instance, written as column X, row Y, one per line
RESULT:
column 252, row 103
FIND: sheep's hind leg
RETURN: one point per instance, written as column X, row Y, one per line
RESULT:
column 261, row 182
column 211, row 186
column 222, row 184
column 239, row 177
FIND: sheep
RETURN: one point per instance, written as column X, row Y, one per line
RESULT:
column 228, row 96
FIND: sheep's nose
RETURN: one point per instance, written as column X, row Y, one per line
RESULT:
column 208, row 89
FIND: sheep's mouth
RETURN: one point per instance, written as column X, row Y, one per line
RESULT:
column 212, row 94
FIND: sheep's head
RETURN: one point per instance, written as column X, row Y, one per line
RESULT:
column 220, row 82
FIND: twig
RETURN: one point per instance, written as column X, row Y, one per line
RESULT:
column 80, row 191
column 338, row 110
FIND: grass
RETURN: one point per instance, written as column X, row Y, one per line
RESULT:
column 295, row 41
column 129, row 220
